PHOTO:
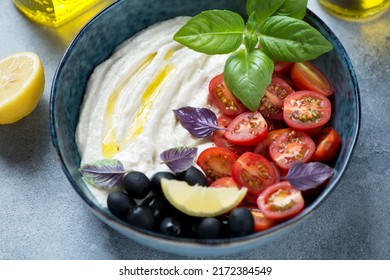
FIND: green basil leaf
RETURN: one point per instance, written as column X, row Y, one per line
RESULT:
column 212, row 32
column 247, row 75
column 251, row 23
column 263, row 9
column 293, row 8
column 250, row 41
column 288, row 39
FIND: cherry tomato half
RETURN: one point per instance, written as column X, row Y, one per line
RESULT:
column 261, row 222
column 223, row 98
column 282, row 66
column 280, row 201
column 263, row 147
column 224, row 182
column 247, row 129
column 306, row 110
column 219, row 139
column 327, row 145
column 291, row 147
column 306, row 76
column 223, row 120
column 250, row 199
column 216, row 162
column 271, row 105
column 254, row 172
column 272, row 135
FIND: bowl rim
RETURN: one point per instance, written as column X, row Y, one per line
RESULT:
column 218, row 246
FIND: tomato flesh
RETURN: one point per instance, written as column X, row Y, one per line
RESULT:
column 223, row 98
column 282, row 66
column 223, row 120
column 247, row 129
column 280, row 201
column 272, row 135
column 290, row 147
column 254, row 172
column 216, row 162
column 327, row 145
column 306, row 76
column 224, row 182
column 306, row 110
column 263, row 147
column 219, row 139
column 271, row 105
column 261, row 222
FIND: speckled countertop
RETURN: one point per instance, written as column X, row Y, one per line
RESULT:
column 42, row 217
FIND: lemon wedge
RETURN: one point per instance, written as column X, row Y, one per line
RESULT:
column 22, row 81
column 201, row 201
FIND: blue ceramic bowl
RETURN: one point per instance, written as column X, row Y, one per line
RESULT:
column 95, row 43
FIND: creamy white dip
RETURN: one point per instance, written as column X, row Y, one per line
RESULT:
column 127, row 109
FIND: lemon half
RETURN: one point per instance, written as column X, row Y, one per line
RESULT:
column 201, row 201
column 22, row 81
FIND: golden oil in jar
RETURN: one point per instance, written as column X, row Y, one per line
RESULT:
column 355, row 9
column 53, row 12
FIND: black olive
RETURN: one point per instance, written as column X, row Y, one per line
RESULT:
column 209, row 228
column 193, row 176
column 137, row 184
column 171, row 226
column 189, row 224
column 225, row 228
column 241, row 222
column 141, row 216
column 119, row 203
column 156, row 181
column 159, row 206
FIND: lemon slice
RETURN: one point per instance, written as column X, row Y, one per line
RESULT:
column 201, row 201
column 22, row 81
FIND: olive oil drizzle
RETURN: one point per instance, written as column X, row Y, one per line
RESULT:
column 110, row 145
column 147, row 101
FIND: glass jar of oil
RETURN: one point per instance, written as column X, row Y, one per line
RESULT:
column 53, row 12
column 355, row 9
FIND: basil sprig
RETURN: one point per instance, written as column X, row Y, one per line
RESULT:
column 274, row 31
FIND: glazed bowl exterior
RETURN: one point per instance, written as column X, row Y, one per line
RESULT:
column 96, row 42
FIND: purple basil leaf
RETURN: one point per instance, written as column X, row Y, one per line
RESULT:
column 306, row 176
column 105, row 174
column 179, row 159
column 200, row 122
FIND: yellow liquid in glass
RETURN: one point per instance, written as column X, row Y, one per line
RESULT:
column 355, row 9
column 53, row 12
